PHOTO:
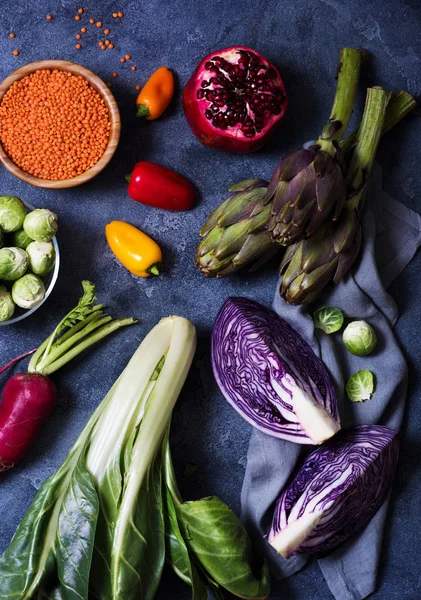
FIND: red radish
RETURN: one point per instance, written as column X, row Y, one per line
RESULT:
column 27, row 400
column 234, row 100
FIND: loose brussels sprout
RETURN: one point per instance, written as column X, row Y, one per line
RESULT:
column 7, row 307
column 41, row 257
column 360, row 386
column 12, row 213
column 28, row 291
column 40, row 225
column 13, row 263
column 329, row 319
column 359, row 338
column 19, row 239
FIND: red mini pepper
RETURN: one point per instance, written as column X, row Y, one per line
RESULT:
column 157, row 186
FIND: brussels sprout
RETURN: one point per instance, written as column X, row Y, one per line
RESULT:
column 19, row 239
column 13, row 263
column 12, row 213
column 7, row 307
column 28, row 291
column 40, row 225
column 360, row 386
column 329, row 319
column 41, row 257
column 359, row 338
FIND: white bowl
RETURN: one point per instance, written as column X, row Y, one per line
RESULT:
column 49, row 281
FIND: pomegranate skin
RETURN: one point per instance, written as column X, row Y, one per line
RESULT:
column 27, row 400
column 230, row 139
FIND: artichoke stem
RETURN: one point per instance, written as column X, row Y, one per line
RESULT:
column 399, row 106
column 365, row 151
column 350, row 61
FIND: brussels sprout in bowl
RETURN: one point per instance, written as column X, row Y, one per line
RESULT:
column 49, row 281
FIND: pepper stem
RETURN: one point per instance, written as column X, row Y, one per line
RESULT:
column 143, row 111
column 399, row 106
column 350, row 61
column 153, row 270
column 128, row 177
column 368, row 140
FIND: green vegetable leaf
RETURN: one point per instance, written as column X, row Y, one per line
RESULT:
column 360, row 386
column 359, row 338
column 218, row 541
column 76, row 534
column 329, row 319
column 81, row 310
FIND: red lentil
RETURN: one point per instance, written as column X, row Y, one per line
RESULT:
column 115, row 74
column 120, row 14
column 106, row 31
column 12, row 35
column 78, row 36
column 83, row 30
column 49, row 17
column 122, row 60
column 109, row 84
column 91, row 21
column 80, row 10
column 15, row 52
column 77, row 17
column 115, row 15
column 98, row 24
column 110, row 46
column 127, row 57
column 138, row 87
column 107, row 42
column 78, row 46
column 133, row 68
column 53, row 124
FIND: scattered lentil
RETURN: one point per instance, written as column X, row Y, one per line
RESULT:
column 133, row 68
column 98, row 24
column 78, row 36
column 109, row 84
column 120, row 14
column 110, row 46
column 115, row 15
column 122, row 60
column 106, row 31
column 12, row 35
column 100, row 44
column 53, row 124
column 83, row 30
column 49, row 17
column 107, row 42
column 15, row 52
column 138, row 87
column 80, row 10
column 128, row 57
column 115, row 74
column 91, row 21
column 78, row 46
column 77, row 17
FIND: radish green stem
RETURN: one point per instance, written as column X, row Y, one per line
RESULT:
column 92, row 339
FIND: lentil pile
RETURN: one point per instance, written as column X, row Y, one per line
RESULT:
column 53, row 124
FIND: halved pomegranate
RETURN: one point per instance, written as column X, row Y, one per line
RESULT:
column 234, row 100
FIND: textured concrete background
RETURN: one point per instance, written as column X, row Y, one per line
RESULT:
column 303, row 38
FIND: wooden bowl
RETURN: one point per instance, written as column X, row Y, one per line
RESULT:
column 110, row 103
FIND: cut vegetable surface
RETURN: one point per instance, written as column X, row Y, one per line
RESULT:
column 270, row 375
column 338, row 489
column 329, row 319
column 360, row 386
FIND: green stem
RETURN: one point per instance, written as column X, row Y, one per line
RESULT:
column 154, row 269
column 128, row 177
column 169, row 473
column 365, row 151
column 97, row 313
column 92, row 339
column 143, row 111
column 399, row 106
column 350, row 61
column 71, row 341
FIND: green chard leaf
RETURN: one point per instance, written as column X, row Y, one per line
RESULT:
column 218, row 540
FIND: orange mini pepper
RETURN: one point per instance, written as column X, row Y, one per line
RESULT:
column 155, row 95
column 140, row 254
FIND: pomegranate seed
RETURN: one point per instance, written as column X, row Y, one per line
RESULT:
column 208, row 114
column 205, row 83
column 200, row 94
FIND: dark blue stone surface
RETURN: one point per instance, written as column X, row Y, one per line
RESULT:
column 303, row 39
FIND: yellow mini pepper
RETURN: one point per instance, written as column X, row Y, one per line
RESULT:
column 156, row 94
column 140, row 254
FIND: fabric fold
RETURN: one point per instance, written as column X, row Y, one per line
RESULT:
column 350, row 571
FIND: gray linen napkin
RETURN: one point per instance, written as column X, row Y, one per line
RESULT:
column 391, row 236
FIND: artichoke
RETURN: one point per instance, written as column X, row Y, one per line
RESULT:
column 327, row 255
column 308, row 186
column 235, row 233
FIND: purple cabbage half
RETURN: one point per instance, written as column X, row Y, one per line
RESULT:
column 270, row 375
column 336, row 492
